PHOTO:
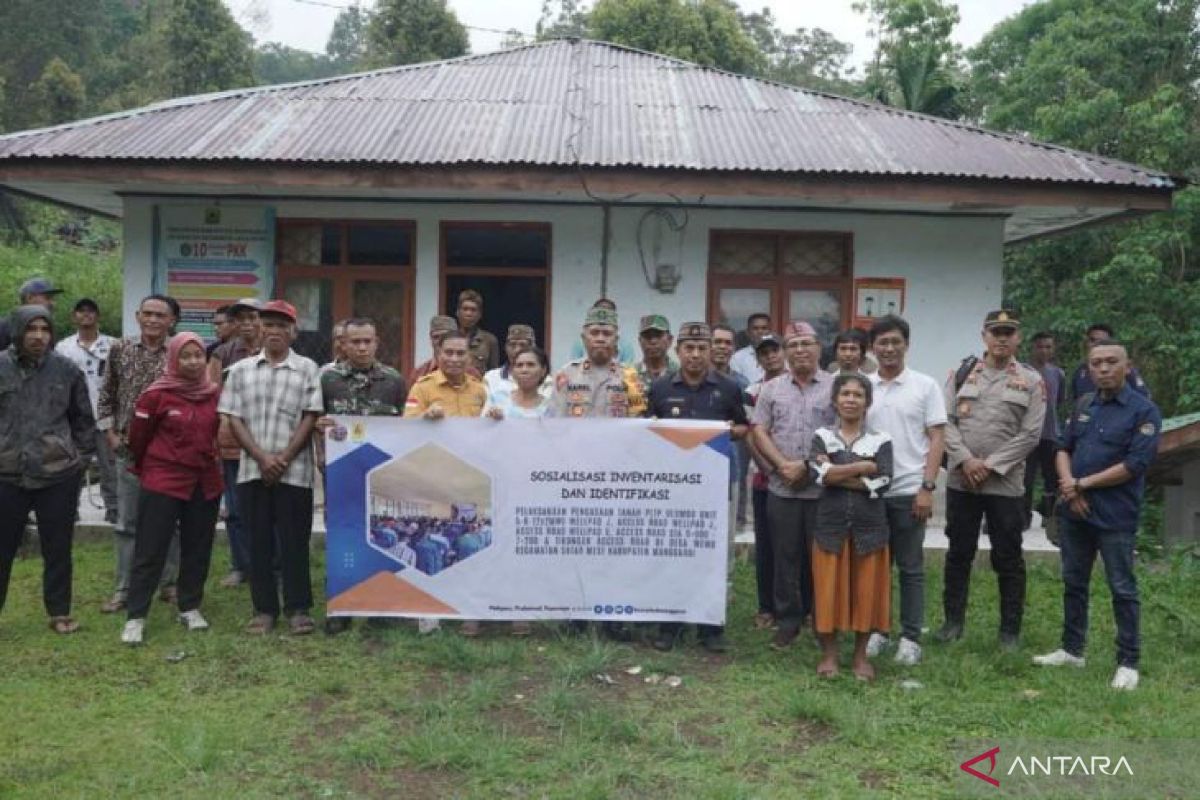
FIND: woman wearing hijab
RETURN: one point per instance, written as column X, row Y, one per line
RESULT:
column 173, row 441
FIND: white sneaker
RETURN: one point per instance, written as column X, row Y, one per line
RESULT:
column 908, row 653
column 428, row 625
column 193, row 620
column 877, row 644
column 1126, row 679
column 132, row 632
column 1059, row 658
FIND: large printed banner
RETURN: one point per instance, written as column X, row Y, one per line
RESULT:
column 527, row 519
column 209, row 256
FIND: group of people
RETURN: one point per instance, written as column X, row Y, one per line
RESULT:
column 843, row 462
column 430, row 544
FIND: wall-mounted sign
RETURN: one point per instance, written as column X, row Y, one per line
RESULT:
column 207, row 256
column 877, row 297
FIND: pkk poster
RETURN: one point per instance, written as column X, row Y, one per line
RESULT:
column 207, row 256
column 527, row 519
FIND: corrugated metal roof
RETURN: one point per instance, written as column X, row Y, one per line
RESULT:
column 567, row 103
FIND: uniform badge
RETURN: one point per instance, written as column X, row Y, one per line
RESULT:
column 1146, row 429
column 964, row 409
column 575, row 397
column 576, row 411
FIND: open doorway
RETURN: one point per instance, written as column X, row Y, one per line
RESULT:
column 508, row 264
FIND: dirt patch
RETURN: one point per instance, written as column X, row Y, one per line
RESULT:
column 414, row 784
column 808, row 732
column 701, row 732
column 873, row 779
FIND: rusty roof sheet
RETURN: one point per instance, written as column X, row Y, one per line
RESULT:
column 567, row 103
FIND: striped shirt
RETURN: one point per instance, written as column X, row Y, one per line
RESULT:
column 271, row 400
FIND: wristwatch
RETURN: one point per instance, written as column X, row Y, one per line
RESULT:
column 929, row 486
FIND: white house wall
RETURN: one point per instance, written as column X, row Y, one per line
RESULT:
column 952, row 265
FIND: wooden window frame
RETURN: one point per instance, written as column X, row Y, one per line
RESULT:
column 445, row 271
column 781, row 285
column 343, row 274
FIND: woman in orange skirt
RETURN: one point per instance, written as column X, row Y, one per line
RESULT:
column 851, row 570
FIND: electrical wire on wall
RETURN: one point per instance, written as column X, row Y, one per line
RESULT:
column 666, row 274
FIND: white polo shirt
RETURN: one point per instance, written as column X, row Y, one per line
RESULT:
column 904, row 408
column 91, row 359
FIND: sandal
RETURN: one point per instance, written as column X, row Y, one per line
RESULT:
column 301, row 625
column 63, row 625
column 261, row 625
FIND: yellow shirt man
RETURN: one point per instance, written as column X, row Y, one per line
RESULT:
column 464, row 400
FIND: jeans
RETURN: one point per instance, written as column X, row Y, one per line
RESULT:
column 1080, row 542
column 741, row 454
column 129, row 492
column 159, row 516
column 907, row 543
column 792, row 524
column 764, row 554
column 1006, row 523
column 239, row 547
column 54, row 507
column 278, row 519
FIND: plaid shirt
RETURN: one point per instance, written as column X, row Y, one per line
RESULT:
column 132, row 366
column 791, row 415
column 271, row 400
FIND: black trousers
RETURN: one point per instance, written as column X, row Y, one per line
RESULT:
column 764, row 554
column 1005, row 522
column 158, row 517
column 278, row 520
column 793, row 523
column 1041, row 460
column 54, row 507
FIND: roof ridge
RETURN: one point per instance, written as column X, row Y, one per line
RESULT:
column 873, row 105
column 859, row 103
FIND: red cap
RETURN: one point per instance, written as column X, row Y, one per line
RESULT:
column 281, row 307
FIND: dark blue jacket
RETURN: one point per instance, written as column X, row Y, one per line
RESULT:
column 1102, row 433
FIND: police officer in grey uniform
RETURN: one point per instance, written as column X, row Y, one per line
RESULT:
column 597, row 385
column 995, row 420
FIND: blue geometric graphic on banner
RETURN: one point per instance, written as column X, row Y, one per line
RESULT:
column 351, row 560
column 722, row 443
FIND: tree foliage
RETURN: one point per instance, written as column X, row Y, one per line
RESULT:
column 1117, row 78
column 916, row 63
column 812, row 58
column 59, row 93
column 207, row 50
column 706, row 32
column 410, row 31
column 347, row 45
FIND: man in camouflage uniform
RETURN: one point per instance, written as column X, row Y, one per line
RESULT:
column 358, row 385
column 596, row 385
column 995, row 420
column 654, row 339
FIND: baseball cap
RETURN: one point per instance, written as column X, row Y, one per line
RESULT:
column 279, row 307
column 654, row 322
column 768, row 340
column 246, row 304
column 37, row 286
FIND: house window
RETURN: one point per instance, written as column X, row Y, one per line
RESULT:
column 789, row 275
column 508, row 263
column 334, row 269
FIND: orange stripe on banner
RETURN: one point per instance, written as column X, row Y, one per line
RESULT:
column 387, row 592
column 686, row 438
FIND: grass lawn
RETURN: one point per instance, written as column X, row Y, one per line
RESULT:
column 390, row 714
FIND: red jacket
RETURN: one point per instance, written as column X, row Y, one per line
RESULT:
column 174, row 445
